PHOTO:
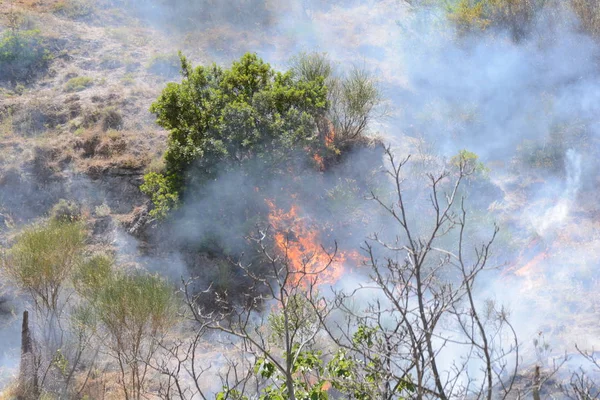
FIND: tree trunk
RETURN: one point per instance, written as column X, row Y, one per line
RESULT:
column 28, row 381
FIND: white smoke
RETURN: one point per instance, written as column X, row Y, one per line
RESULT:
column 553, row 217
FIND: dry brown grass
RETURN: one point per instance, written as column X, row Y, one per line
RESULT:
column 10, row 392
column 36, row 5
column 588, row 12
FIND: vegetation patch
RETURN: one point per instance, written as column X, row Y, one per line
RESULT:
column 74, row 9
column 165, row 65
column 78, row 84
column 22, row 53
column 224, row 118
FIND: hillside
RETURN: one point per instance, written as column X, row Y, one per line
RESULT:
column 306, row 199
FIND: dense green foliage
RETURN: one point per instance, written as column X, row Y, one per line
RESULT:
column 221, row 119
column 21, row 54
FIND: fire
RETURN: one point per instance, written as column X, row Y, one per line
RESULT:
column 319, row 161
column 328, row 140
column 330, row 135
column 299, row 241
column 531, row 257
column 530, row 267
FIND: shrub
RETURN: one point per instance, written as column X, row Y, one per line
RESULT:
column 354, row 100
column 92, row 275
column 102, row 210
column 515, row 15
column 74, row 9
column 78, row 84
column 43, row 258
column 221, row 119
column 166, row 65
column 157, row 165
column 65, row 211
column 549, row 154
column 112, row 119
column 21, row 54
column 161, row 191
column 135, row 311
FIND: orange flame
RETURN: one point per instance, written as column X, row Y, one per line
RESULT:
column 297, row 239
column 328, row 140
column 530, row 267
column 319, row 161
column 330, row 136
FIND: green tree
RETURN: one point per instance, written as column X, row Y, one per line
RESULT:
column 134, row 313
column 219, row 119
column 42, row 259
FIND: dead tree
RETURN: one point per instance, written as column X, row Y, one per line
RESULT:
column 28, row 379
column 422, row 280
column 279, row 338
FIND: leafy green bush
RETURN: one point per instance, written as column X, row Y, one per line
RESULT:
column 162, row 192
column 21, row 54
column 221, row 119
column 78, row 84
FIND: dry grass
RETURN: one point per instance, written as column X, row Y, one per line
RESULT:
column 588, row 12
column 10, row 392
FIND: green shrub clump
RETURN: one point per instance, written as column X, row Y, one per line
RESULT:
column 222, row 119
column 21, row 54
column 65, row 211
column 78, row 83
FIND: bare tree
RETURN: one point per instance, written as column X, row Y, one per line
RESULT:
column 424, row 305
column 277, row 342
column 580, row 385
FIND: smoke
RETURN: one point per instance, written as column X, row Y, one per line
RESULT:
column 528, row 109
